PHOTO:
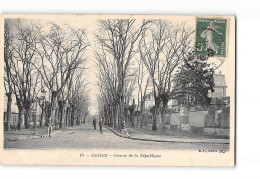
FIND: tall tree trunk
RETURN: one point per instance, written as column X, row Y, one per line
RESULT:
column 27, row 118
column 141, row 120
column 72, row 116
column 61, row 117
column 47, row 118
column 156, row 106
column 56, row 115
column 78, row 117
column 121, row 112
column 137, row 123
column 126, row 116
column 67, row 116
column 154, row 128
column 116, row 116
column 156, row 109
column 52, row 115
column 110, row 113
column 20, row 117
column 163, row 113
column 105, row 115
column 61, row 113
column 42, row 122
column 142, row 112
column 85, row 117
column 9, row 110
column 112, row 116
column 132, row 118
column 54, row 107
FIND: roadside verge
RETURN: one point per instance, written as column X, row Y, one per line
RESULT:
column 169, row 139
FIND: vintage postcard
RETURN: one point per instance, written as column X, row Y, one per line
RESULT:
column 122, row 90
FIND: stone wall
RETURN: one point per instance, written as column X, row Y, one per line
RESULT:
column 217, row 132
column 224, row 120
column 197, row 119
column 213, row 123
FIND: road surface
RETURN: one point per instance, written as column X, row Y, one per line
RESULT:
column 85, row 137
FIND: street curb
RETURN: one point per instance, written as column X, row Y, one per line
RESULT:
column 32, row 137
column 154, row 140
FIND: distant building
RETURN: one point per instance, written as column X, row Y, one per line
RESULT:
column 173, row 104
column 220, row 86
column 149, row 101
column 219, row 92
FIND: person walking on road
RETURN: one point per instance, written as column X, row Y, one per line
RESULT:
column 49, row 125
column 94, row 123
column 100, row 125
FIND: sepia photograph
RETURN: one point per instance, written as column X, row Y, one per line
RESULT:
column 139, row 88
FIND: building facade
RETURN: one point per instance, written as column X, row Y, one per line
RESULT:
column 220, row 86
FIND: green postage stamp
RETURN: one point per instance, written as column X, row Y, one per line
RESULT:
column 211, row 37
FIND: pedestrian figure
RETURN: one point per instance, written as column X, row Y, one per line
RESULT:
column 100, row 126
column 124, row 130
column 94, row 123
column 49, row 125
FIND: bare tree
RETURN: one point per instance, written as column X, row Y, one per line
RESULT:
column 117, row 39
column 8, row 39
column 162, row 49
column 107, row 83
column 130, row 86
column 23, row 74
column 61, row 51
column 143, row 82
column 78, row 99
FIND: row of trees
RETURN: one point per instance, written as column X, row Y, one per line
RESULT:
column 48, row 57
column 153, row 54
column 117, row 41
